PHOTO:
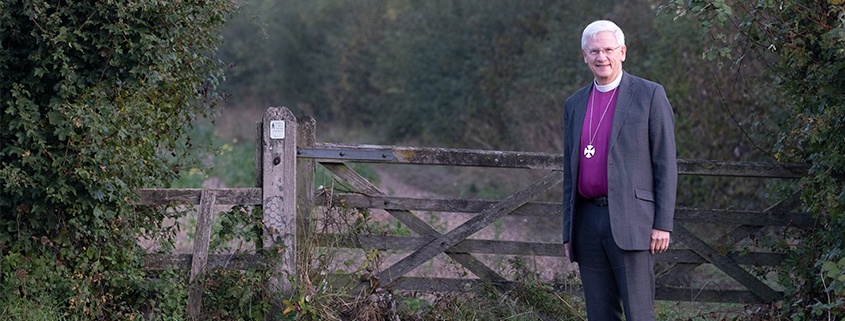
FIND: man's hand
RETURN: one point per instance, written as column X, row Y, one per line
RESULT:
column 566, row 250
column 659, row 241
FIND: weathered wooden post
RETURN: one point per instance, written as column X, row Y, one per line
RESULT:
column 199, row 259
column 279, row 193
column 305, row 168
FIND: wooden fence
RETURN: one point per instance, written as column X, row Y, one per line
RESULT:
column 287, row 156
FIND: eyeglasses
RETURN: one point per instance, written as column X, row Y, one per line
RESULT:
column 606, row 51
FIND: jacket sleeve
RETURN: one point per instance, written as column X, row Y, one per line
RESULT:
column 568, row 179
column 664, row 159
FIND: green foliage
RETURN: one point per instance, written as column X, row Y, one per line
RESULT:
column 95, row 97
column 833, row 279
column 802, row 43
column 239, row 224
column 323, row 178
column 487, row 74
column 231, row 294
column 31, row 310
column 815, row 288
column 228, row 164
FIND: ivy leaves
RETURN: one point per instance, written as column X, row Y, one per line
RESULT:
column 95, row 97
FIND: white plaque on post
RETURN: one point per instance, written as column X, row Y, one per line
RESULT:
column 277, row 129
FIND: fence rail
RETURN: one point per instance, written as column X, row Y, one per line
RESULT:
column 324, row 152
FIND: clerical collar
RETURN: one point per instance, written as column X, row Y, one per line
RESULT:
column 610, row 86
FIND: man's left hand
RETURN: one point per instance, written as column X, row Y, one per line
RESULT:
column 659, row 241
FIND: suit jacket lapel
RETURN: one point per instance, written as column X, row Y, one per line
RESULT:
column 623, row 104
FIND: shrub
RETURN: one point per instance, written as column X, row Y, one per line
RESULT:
column 96, row 96
column 801, row 43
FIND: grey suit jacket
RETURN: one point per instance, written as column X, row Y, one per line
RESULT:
column 642, row 162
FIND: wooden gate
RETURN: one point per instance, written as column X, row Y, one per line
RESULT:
column 688, row 252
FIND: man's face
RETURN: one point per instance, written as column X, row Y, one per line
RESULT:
column 604, row 56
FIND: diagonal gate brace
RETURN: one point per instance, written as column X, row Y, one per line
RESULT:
column 413, row 222
column 475, row 224
column 727, row 265
column 731, row 238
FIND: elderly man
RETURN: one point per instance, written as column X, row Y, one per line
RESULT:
column 620, row 180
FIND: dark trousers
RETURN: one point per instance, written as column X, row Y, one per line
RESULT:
column 612, row 278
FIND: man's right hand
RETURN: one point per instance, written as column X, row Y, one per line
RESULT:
column 566, row 250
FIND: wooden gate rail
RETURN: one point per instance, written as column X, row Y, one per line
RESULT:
column 193, row 196
column 330, row 152
column 550, row 211
column 546, row 209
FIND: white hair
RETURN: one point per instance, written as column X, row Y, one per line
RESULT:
column 600, row 26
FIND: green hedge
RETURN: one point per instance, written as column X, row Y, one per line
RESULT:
column 96, row 96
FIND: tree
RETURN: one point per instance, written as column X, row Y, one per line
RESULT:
column 802, row 43
column 97, row 99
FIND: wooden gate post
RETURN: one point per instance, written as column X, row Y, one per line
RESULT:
column 305, row 169
column 199, row 257
column 279, row 194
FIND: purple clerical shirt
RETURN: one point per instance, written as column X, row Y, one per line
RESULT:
column 592, row 171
